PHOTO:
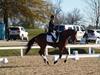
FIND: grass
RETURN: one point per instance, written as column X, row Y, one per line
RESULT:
column 4, row 53
column 34, row 32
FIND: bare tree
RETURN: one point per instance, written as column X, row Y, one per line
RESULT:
column 73, row 17
column 56, row 10
column 94, row 11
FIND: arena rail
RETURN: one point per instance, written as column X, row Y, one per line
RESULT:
column 89, row 46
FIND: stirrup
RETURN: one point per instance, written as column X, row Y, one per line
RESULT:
column 54, row 35
column 57, row 39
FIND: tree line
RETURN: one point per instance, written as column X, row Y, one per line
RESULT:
column 30, row 11
column 27, row 11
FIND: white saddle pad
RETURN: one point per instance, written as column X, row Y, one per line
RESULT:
column 49, row 38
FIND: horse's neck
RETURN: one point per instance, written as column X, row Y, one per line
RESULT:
column 65, row 34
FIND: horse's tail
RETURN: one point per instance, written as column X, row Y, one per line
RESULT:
column 30, row 43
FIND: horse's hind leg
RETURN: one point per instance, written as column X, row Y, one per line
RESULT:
column 66, row 56
column 42, row 53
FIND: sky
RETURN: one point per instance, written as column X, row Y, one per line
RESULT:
column 69, row 5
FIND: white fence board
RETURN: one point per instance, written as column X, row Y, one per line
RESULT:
column 67, row 46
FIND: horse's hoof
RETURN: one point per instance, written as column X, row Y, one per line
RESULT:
column 65, row 61
column 47, row 62
column 55, row 62
column 44, row 60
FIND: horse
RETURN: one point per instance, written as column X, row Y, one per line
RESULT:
column 42, row 42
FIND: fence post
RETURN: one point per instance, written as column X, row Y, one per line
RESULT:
column 69, row 51
column 21, row 51
column 89, row 52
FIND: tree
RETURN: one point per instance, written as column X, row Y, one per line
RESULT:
column 73, row 17
column 31, row 9
column 56, row 10
column 94, row 11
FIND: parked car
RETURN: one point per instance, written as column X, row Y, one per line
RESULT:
column 18, row 32
column 59, row 28
column 90, row 35
column 97, row 33
column 93, row 34
column 80, row 30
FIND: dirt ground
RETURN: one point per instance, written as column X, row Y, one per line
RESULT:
column 34, row 65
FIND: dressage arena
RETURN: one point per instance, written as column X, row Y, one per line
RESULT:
column 34, row 65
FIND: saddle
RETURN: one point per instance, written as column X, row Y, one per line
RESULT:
column 52, row 37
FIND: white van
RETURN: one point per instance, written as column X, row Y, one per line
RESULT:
column 18, row 32
column 80, row 30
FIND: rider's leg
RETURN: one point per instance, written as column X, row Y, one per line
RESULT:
column 54, row 37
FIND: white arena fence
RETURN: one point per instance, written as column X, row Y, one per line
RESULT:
column 89, row 46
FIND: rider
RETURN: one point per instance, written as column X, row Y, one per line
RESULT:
column 51, row 28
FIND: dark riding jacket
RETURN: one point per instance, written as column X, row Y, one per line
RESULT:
column 51, row 26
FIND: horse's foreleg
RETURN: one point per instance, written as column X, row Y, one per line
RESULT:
column 57, row 58
column 60, row 55
column 42, row 53
column 45, row 59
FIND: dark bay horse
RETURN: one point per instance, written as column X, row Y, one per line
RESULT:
column 42, row 42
